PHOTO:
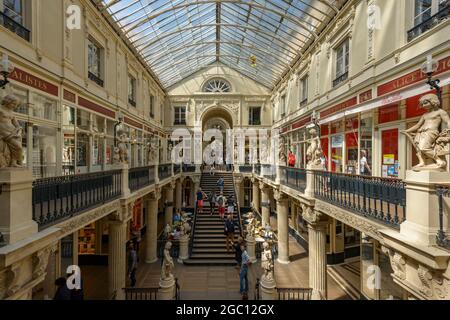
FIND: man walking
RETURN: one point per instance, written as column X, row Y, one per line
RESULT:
column 238, row 252
column 132, row 265
column 243, row 275
column 221, row 184
column 230, row 206
column 229, row 232
column 212, row 202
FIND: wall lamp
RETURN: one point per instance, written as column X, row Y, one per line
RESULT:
column 429, row 67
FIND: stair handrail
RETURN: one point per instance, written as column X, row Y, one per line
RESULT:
column 194, row 222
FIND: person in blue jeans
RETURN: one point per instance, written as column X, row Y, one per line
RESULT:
column 243, row 274
column 221, row 184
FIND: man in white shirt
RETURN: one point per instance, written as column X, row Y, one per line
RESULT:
column 364, row 165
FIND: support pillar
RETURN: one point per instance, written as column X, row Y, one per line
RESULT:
column 16, row 214
column 317, row 235
column 283, row 226
column 178, row 195
column 168, row 203
column 251, row 248
column 151, row 236
column 125, row 186
column 184, row 248
column 255, row 202
column 265, row 204
column 117, row 258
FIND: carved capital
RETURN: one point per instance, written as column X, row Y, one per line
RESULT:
column 310, row 215
column 279, row 196
column 156, row 195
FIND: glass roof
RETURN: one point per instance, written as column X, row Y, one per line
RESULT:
column 259, row 39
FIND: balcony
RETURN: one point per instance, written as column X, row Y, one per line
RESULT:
column 164, row 171
column 14, row 26
column 340, row 79
column 56, row 199
column 96, row 79
column 246, row 168
column 293, row 178
column 429, row 23
column 139, row 178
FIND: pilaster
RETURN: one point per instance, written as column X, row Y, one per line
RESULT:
column 283, row 226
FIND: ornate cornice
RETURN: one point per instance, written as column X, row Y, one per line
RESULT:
column 360, row 223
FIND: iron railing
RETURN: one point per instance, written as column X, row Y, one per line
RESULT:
column 382, row 199
column 141, row 293
column 441, row 237
column 269, row 171
column 245, row 168
column 139, row 178
column 58, row 198
column 95, row 78
column 176, row 169
column 14, row 26
column 293, row 178
column 257, row 292
column 188, row 167
column 294, row 293
column 164, row 171
column 340, row 79
column 430, row 23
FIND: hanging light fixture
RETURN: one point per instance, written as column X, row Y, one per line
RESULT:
column 252, row 60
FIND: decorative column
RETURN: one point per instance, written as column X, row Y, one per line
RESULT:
column 16, row 215
column 317, row 239
column 178, row 194
column 151, row 236
column 283, row 226
column 255, row 202
column 117, row 258
column 265, row 203
column 168, row 203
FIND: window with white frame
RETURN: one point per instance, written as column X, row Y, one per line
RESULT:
column 95, row 62
column 180, row 115
column 132, row 90
column 425, row 9
column 342, row 62
column 254, row 116
column 304, row 89
column 14, row 10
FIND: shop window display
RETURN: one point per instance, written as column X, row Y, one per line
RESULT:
column 44, row 151
column 44, row 107
column 82, row 149
column 97, row 151
column 68, row 157
column 86, row 240
column 83, row 120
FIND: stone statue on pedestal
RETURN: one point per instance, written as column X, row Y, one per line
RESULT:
column 427, row 137
column 121, row 150
column 251, row 226
column 267, row 263
column 314, row 151
column 168, row 265
column 10, row 134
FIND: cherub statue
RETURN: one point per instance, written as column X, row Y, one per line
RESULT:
column 121, row 150
column 168, row 265
column 267, row 262
column 10, row 134
column 427, row 137
column 314, row 151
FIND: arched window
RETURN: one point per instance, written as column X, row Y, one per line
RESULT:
column 217, row 85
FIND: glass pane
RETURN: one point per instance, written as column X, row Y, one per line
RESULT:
column 44, row 152
column 13, row 9
column 422, row 11
column 83, row 119
column 82, row 149
column 22, row 95
column 44, row 107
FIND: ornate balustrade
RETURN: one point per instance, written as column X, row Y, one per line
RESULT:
column 176, row 168
column 378, row 198
column 141, row 177
column 293, row 178
column 164, row 171
column 55, row 199
column 150, row 293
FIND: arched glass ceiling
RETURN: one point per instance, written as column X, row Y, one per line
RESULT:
column 179, row 37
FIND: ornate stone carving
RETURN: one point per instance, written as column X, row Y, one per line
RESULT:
column 12, row 279
column 156, row 195
column 314, row 151
column 398, row 263
column 427, row 137
column 10, row 134
column 121, row 150
column 252, row 222
column 350, row 219
column 426, row 279
column 309, row 214
column 40, row 262
column 167, row 265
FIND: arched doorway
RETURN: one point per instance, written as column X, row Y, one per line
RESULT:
column 217, row 117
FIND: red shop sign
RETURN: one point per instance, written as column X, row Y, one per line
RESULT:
column 34, row 82
column 95, row 107
column 339, row 107
column 411, row 78
column 133, row 123
column 301, row 123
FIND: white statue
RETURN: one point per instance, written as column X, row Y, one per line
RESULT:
column 168, row 265
column 10, row 134
column 427, row 137
column 314, row 151
column 267, row 262
column 121, row 150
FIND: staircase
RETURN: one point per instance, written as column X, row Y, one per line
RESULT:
column 208, row 245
